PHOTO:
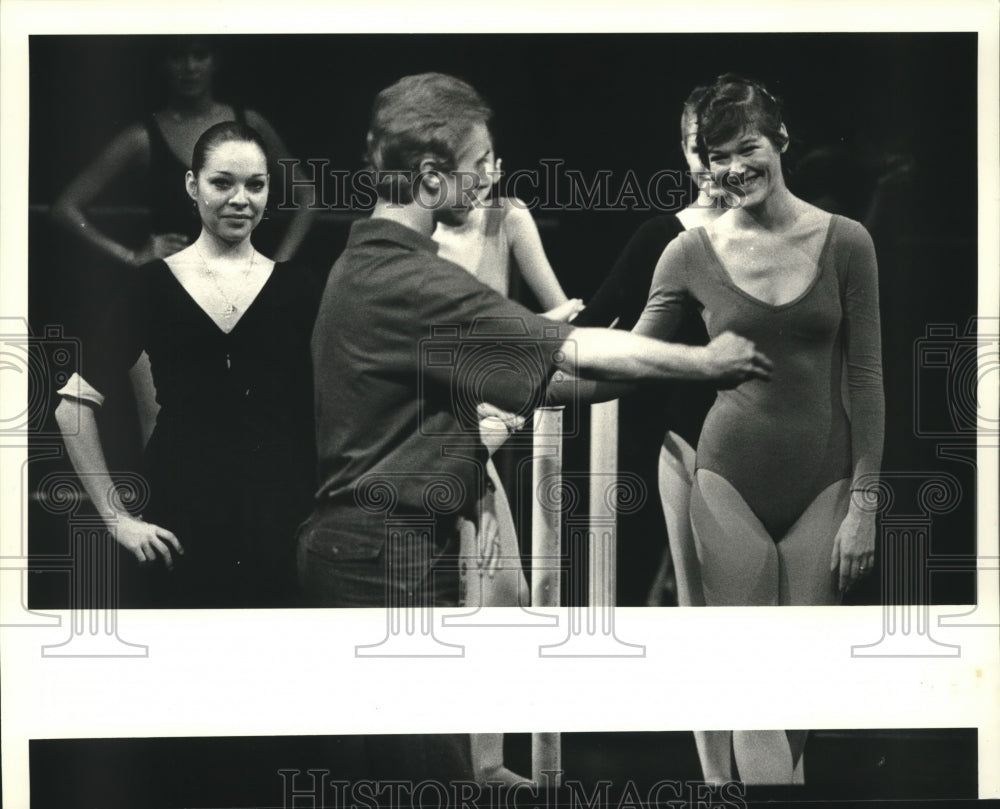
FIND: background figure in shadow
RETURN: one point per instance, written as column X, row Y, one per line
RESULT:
column 155, row 153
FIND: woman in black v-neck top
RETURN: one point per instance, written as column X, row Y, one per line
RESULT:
column 231, row 462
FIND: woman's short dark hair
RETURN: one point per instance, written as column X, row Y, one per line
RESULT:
column 171, row 46
column 420, row 116
column 734, row 104
column 690, row 111
column 218, row 134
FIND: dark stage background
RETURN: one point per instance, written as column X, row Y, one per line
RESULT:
column 916, row 767
column 900, row 108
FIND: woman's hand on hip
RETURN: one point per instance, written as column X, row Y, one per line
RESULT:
column 160, row 245
column 147, row 541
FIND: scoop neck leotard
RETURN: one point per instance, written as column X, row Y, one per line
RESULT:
column 779, row 443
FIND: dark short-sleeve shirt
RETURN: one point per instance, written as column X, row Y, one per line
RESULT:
column 406, row 344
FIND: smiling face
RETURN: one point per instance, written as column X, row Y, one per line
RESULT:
column 231, row 189
column 747, row 166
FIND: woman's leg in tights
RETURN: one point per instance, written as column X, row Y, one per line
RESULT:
column 797, row 743
column 737, row 569
column 804, row 552
column 806, row 578
column 487, row 760
column 763, row 756
column 507, row 588
column 770, row 756
column 715, row 755
column 739, row 560
column 676, row 475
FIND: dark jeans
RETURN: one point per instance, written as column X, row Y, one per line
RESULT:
column 348, row 559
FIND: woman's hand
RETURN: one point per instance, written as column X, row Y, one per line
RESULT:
column 160, row 245
column 511, row 421
column 854, row 548
column 565, row 311
column 146, row 540
column 488, row 537
column 496, row 425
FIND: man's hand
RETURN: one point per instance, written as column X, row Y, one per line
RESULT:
column 731, row 359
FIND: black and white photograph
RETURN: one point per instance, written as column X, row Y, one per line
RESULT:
column 381, row 390
column 749, row 472
column 575, row 770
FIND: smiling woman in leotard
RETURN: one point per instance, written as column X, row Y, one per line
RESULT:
column 772, row 509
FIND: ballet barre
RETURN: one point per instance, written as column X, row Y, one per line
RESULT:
column 591, row 627
column 546, row 555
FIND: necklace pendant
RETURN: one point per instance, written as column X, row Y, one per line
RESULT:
column 230, row 308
